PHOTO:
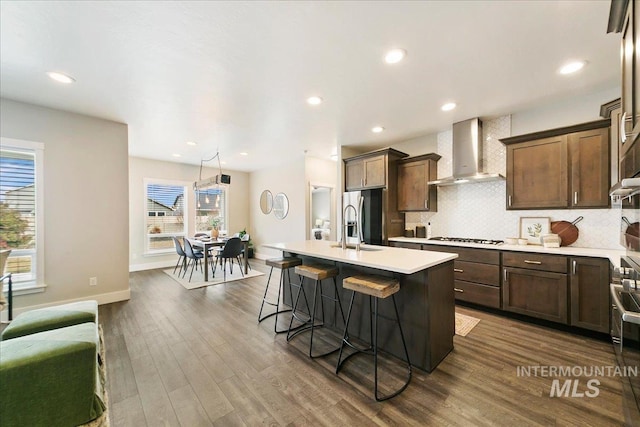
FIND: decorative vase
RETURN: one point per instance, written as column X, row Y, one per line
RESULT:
column 215, row 233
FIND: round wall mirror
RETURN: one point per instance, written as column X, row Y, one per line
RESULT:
column 266, row 202
column 280, row 206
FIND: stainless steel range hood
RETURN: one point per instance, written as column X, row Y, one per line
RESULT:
column 626, row 188
column 468, row 162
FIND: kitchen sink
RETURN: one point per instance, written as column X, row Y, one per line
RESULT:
column 363, row 248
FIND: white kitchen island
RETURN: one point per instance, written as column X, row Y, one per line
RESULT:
column 425, row 300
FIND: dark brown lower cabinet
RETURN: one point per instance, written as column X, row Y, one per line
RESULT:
column 589, row 291
column 540, row 294
column 569, row 290
column 476, row 273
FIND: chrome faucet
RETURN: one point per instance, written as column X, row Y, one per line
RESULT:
column 345, row 226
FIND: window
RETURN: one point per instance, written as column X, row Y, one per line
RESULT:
column 164, row 216
column 21, row 211
column 211, row 206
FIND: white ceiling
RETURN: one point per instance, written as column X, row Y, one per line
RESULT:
column 235, row 75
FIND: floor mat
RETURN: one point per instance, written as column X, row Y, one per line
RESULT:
column 464, row 324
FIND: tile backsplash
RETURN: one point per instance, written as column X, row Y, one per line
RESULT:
column 479, row 210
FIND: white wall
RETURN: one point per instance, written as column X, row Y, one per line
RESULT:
column 562, row 113
column 86, row 204
column 139, row 169
column 418, row 146
column 288, row 178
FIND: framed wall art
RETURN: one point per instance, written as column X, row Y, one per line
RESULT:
column 533, row 228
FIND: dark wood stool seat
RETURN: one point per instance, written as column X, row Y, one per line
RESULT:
column 284, row 264
column 317, row 273
column 376, row 287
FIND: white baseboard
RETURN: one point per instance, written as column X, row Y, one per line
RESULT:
column 260, row 256
column 107, row 298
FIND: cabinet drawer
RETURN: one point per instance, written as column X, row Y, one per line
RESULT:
column 486, row 256
column 474, row 272
column 478, row 294
column 533, row 261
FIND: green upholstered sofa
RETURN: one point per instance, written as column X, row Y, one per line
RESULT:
column 51, row 368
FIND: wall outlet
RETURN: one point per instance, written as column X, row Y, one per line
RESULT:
column 93, row 281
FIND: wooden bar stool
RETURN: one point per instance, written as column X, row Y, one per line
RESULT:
column 284, row 264
column 318, row 273
column 376, row 287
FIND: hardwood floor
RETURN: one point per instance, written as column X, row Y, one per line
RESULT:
column 178, row 357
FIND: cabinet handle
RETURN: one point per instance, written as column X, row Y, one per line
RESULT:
column 458, row 290
column 458, row 270
column 509, row 199
column 426, row 204
column 575, row 198
column 622, row 131
column 575, row 267
column 505, row 276
column 526, row 261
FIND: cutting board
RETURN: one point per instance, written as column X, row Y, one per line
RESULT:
column 567, row 231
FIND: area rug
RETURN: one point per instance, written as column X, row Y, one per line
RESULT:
column 464, row 324
column 197, row 281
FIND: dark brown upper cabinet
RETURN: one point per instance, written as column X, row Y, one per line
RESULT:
column 624, row 18
column 560, row 168
column 371, row 170
column 414, row 192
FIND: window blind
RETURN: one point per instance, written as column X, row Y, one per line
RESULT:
column 164, row 216
column 18, row 212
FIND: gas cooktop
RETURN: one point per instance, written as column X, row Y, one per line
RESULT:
column 468, row 240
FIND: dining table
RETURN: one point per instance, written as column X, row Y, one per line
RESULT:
column 207, row 243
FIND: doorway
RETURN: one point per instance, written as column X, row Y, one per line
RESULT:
column 321, row 211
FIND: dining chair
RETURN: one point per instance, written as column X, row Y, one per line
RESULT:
column 231, row 250
column 192, row 255
column 182, row 256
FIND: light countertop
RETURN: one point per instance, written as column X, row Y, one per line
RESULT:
column 612, row 254
column 398, row 260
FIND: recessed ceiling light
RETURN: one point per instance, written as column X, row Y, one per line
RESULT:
column 377, row 129
column 314, row 100
column 191, row 143
column 244, row 153
column 572, row 67
column 176, row 155
column 394, row 56
column 448, row 106
column 61, row 77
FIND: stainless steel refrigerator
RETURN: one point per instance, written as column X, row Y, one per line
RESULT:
column 366, row 225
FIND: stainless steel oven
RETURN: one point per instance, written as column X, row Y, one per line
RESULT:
column 625, row 334
column 625, row 295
